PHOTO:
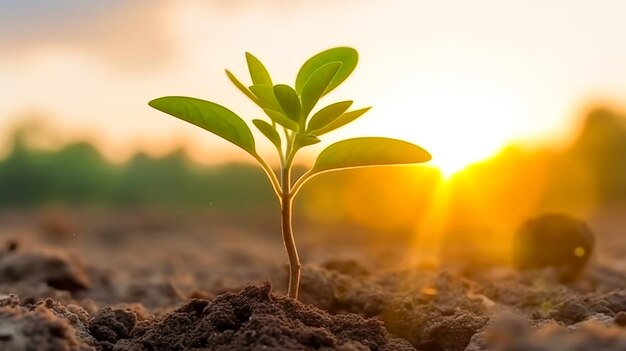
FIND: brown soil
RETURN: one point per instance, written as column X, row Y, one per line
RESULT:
column 150, row 290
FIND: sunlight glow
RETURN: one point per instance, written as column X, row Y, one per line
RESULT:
column 446, row 82
column 429, row 230
column 459, row 119
column 454, row 163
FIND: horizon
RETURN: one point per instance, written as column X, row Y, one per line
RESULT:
column 473, row 90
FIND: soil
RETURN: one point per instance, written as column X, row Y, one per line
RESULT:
column 123, row 283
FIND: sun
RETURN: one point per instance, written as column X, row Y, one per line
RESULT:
column 458, row 121
column 454, row 149
column 450, row 164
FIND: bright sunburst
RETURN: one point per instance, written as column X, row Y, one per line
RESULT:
column 459, row 121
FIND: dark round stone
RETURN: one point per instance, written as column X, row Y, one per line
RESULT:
column 553, row 240
column 620, row 319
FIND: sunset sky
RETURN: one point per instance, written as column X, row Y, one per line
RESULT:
column 460, row 78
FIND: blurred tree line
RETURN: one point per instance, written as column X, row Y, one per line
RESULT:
column 500, row 192
column 78, row 175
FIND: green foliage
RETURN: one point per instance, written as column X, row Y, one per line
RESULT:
column 348, row 57
column 258, row 73
column 327, row 115
column 340, row 121
column 365, row 152
column 303, row 140
column 243, row 89
column 269, row 132
column 289, row 101
column 317, row 85
column 207, row 115
column 280, row 118
column 73, row 174
column 265, row 93
column 289, row 109
column 78, row 175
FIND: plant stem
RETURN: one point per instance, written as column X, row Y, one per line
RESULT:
column 288, row 239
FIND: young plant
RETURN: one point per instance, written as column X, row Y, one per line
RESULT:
column 292, row 125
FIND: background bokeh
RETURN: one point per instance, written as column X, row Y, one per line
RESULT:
column 521, row 105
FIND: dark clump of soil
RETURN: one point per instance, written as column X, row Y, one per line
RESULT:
column 46, row 326
column 554, row 240
column 620, row 319
column 252, row 319
column 55, row 268
column 111, row 325
column 440, row 315
column 432, row 310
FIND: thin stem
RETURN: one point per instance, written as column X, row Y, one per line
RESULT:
column 290, row 154
column 287, row 215
column 281, row 158
column 288, row 239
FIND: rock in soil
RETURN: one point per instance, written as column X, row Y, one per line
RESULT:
column 554, row 240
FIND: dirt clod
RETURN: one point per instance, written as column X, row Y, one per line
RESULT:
column 255, row 319
column 570, row 311
column 620, row 319
column 56, row 269
column 554, row 240
column 23, row 329
column 112, row 324
column 440, row 316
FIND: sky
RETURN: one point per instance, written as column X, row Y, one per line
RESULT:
column 460, row 78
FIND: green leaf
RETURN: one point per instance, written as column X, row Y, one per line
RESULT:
column 315, row 86
column 341, row 121
column 303, row 140
column 327, row 115
column 215, row 118
column 258, row 73
column 270, row 133
column 347, row 56
column 281, row 119
column 243, row 88
column 288, row 100
column 364, row 152
column 266, row 94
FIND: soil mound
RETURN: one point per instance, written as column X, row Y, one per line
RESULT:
column 45, row 326
column 252, row 319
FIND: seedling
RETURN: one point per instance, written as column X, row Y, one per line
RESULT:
column 291, row 126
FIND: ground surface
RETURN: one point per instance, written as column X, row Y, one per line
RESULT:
column 70, row 282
